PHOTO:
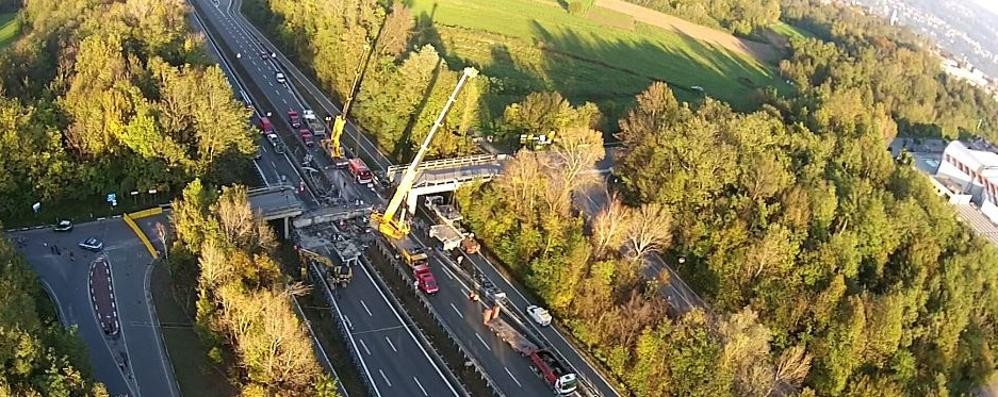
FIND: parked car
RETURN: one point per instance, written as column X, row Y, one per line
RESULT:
column 539, row 314
column 64, row 225
column 92, row 244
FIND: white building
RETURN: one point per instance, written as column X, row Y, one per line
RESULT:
column 973, row 174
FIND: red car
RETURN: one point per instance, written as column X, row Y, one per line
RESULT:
column 425, row 280
column 306, row 136
column 266, row 126
column 293, row 119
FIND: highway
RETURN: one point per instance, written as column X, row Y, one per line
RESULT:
column 377, row 161
column 398, row 365
column 509, row 371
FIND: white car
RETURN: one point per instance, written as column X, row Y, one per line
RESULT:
column 280, row 77
column 540, row 315
column 275, row 142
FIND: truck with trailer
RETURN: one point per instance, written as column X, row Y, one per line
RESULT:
column 448, row 236
column 544, row 363
column 415, row 256
column 448, row 229
column 313, row 123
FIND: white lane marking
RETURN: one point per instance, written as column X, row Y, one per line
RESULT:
column 483, row 341
column 284, row 100
column 391, row 344
column 365, row 308
column 449, row 274
column 456, row 311
column 366, row 350
column 385, row 378
column 262, row 174
column 420, row 386
column 511, row 376
column 347, row 320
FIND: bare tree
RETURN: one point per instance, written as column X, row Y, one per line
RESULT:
column 235, row 217
column 609, row 228
column 649, row 229
column 162, row 235
column 791, row 369
column 576, row 152
column 524, row 180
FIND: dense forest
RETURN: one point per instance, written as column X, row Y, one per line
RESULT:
column 38, row 357
column 859, row 56
column 741, row 17
column 243, row 301
column 405, row 85
column 829, row 268
column 99, row 97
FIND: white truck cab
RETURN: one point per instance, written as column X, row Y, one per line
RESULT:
column 540, row 315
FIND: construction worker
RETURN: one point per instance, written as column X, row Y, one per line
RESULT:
column 473, row 296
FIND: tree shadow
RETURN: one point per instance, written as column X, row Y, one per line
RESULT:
column 610, row 72
column 403, row 148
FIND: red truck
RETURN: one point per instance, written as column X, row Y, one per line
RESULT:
column 360, row 171
column 294, row 119
column 265, row 126
column 425, row 279
column 544, row 363
column 306, row 136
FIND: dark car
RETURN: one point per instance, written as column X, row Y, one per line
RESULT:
column 92, row 244
column 64, row 225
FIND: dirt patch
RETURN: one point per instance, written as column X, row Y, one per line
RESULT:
column 763, row 52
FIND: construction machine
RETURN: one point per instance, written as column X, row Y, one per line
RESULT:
column 392, row 222
column 338, row 275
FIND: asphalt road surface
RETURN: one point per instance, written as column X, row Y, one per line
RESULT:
column 509, row 371
column 247, row 40
column 132, row 362
column 397, row 365
column 392, row 360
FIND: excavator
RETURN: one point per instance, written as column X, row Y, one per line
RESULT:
column 338, row 275
column 392, row 222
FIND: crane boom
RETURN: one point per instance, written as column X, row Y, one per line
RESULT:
column 398, row 228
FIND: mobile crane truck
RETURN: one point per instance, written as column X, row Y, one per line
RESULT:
column 542, row 361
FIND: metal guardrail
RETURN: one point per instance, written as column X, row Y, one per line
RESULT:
column 388, row 253
column 342, row 326
column 319, row 349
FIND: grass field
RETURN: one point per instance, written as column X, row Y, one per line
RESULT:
column 789, row 31
column 604, row 57
column 10, row 26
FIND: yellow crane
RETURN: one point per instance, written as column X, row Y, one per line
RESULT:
column 387, row 222
column 340, row 122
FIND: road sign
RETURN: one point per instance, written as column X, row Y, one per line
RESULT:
column 36, row 207
column 112, row 198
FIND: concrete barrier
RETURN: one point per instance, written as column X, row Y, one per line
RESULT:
column 146, row 213
column 141, row 235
